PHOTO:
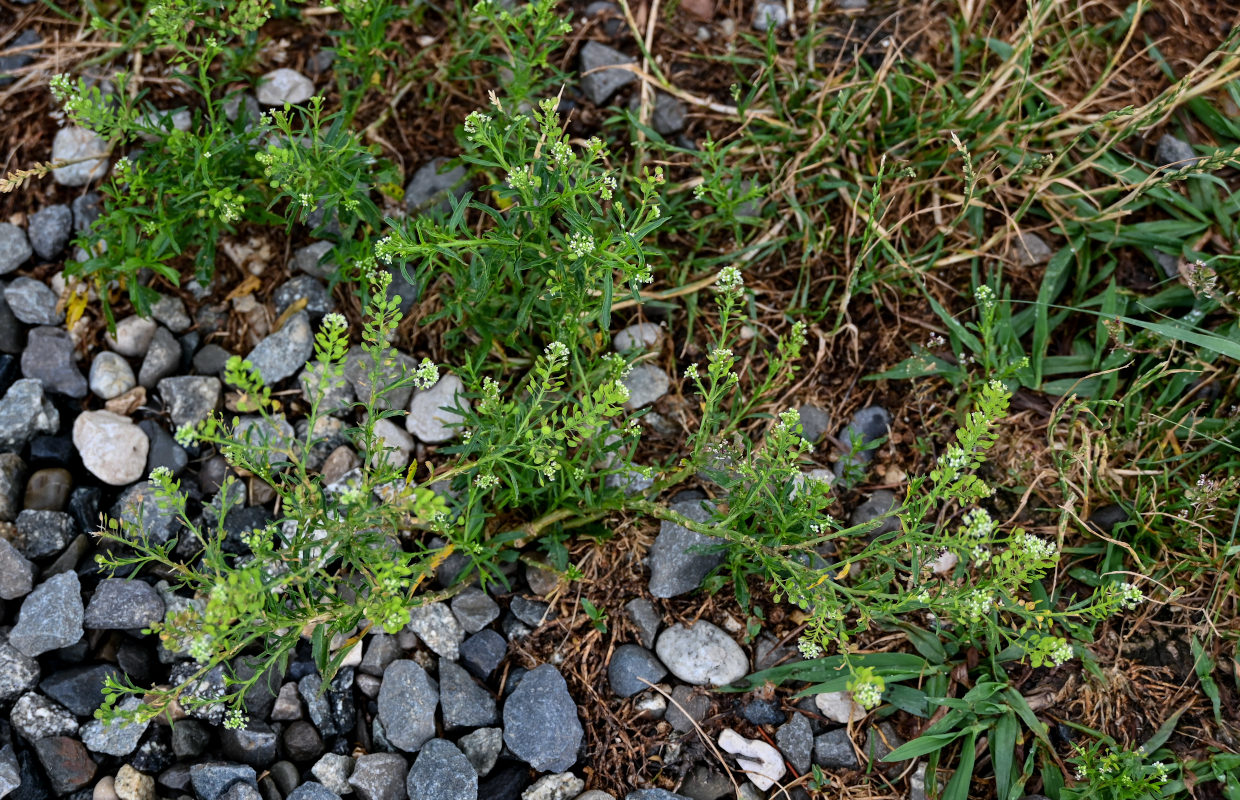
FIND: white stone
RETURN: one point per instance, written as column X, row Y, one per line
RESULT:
column 945, row 563
column 111, row 446
column 763, row 764
column 391, row 436
column 110, row 375
column 838, row 707
column 73, row 143
column 133, row 336
column 562, row 786
column 284, row 85
column 646, row 384
column 428, row 420
column 644, row 335
column 702, row 655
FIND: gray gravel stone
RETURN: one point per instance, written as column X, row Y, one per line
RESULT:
column 867, row 425
column 646, row 383
column 10, row 773
column 703, row 655
column 284, row 352
column 170, row 312
column 18, row 672
column 318, row 301
column 333, row 771
column 139, row 509
column 877, row 507
column 212, row 779
column 16, row 572
column 87, row 149
column 465, row 703
column 679, row 558
column 255, row 744
column 600, row 85
column 357, row 368
column 380, row 652
column 442, row 772
column 815, row 423
column 532, row 612
column 331, row 711
column 163, row 358
column 24, row 414
column 33, row 302
column 86, row 209
column 79, row 689
column 115, row 738
column 429, row 420
column 111, row 446
column 655, row 794
column 540, row 721
column 432, row 185
column 284, row 85
column 561, row 786
column 474, row 609
column 36, row 717
column 50, row 617
column 407, row 701
column 482, row 653
column 768, row 15
column 1174, row 153
column 335, row 396
column 313, row 260
column 190, row 398
column 645, row 618
column 834, row 750
column 436, row 626
column 629, row 664
column 132, row 336
column 379, row 776
column 12, row 486
column 1032, row 250
column 313, row 790
column 482, row 748
column 795, row 739
column 49, row 230
column 49, row 358
column 15, row 248
column 110, row 375
column 43, row 533
column 120, row 604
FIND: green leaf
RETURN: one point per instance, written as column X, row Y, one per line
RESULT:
column 958, row 787
column 1164, row 731
column 1211, row 342
column 1003, row 752
column 318, row 647
column 926, row 743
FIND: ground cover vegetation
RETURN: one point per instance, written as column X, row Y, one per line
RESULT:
column 965, row 213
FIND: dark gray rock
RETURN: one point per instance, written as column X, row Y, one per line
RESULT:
column 12, row 481
column 86, row 209
column 474, row 609
column 190, row 738
column 170, row 312
column 164, row 450
column 358, row 366
column 689, row 706
column 50, row 617
column 285, row 352
column 763, row 711
column 79, row 689
column 834, row 750
column 138, row 508
column 669, row 114
column 880, row 506
column 599, row 83
column 10, row 773
column 532, row 612
column 379, row 776
column 18, row 672
column 679, row 558
column 49, row 230
column 645, row 618
column 67, row 764
column 880, row 740
column 482, row 653
column 815, row 423
column 436, row 626
column 15, row 248
column 190, row 398
column 465, row 703
column 43, row 533
column 867, row 426
column 314, row 259
column 482, row 747
column 12, row 61
column 32, row 302
column 381, row 651
column 302, row 741
column 255, row 744
column 332, row 710
column 25, row 413
column 540, row 721
column 1174, row 153
column 16, row 572
column 442, row 772
column 12, row 333
column 211, row 359
column 646, row 384
column 432, row 186
column 212, row 779
column 48, row 358
column 630, row 664
column 119, row 604
column 795, row 739
column 303, row 287
column 406, row 705
column 312, row 790
column 163, row 358
column 655, row 794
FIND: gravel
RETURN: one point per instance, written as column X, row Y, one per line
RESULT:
column 119, row 604
column 24, row 414
column 796, row 741
column 406, row 705
column 331, row 711
column 284, row 352
column 703, row 655
column 170, row 312
column 630, row 663
column 117, row 738
column 86, row 209
column 877, row 508
column 212, row 779
column 838, row 707
column 834, row 750
column 18, row 672
column 49, row 230
column 112, row 448
column 678, row 559
column 379, row 776
column 642, row 336
column 333, row 771
column 15, row 248
column 474, row 609
column 600, row 85
column 769, row 15
column 867, row 425
column 139, row 500
column 442, row 772
column 110, row 375
column 33, row 302
column 482, row 748
column 10, row 778
column 1174, row 153
column 437, row 627
column 255, row 744
column 312, row 260
column 163, row 358
column 428, row 420
column 433, row 185
column 90, row 151
column 540, row 721
column 303, row 287
column 646, row 384
column 561, row 786
column 284, row 85
column 43, row 533
column 482, row 653
column 16, row 572
column 132, row 337
column 12, row 479
column 688, row 706
column 79, row 689
column 189, row 399
column 36, row 717
column 67, row 764
column 645, row 619
column 49, row 358
column 815, row 422
column 465, row 704
column 50, row 617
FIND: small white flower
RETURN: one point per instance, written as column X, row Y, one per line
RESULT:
column 580, row 244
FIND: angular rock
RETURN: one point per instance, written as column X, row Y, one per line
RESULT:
column 49, row 358
column 33, row 302
column 465, row 703
column 43, row 533
column 123, row 605
column 441, row 772
column 67, row 764
column 645, row 619
column 796, row 741
column 882, row 506
column 170, row 312
column 111, row 446
column 679, row 558
column 482, row 653
column 132, row 336
column 79, row 689
column 815, row 423
column 834, row 750
column 432, row 185
column 474, row 609
column 284, row 352
column 313, row 790
column 282, row 86
column 438, row 629
column 163, row 358
column 688, row 708
column 630, row 664
column 36, row 717
column 600, row 83
column 303, row 288
column 189, row 399
column 313, row 260
column 703, row 655
column 838, row 707
column 50, row 617
column 429, row 419
column 138, row 508
column 212, row 779
column 24, row 414
column 482, row 748
column 49, row 230
column 379, row 776
column 255, row 744
column 117, row 738
column 646, row 384
column 16, row 572
column 88, row 152
column 15, row 248
column 407, row 701
column 333, row 772
column 540, row 721
column 10, row 775
column 1174, row 153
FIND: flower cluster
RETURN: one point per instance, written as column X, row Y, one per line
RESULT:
column 580, row 244
column 730, row 281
